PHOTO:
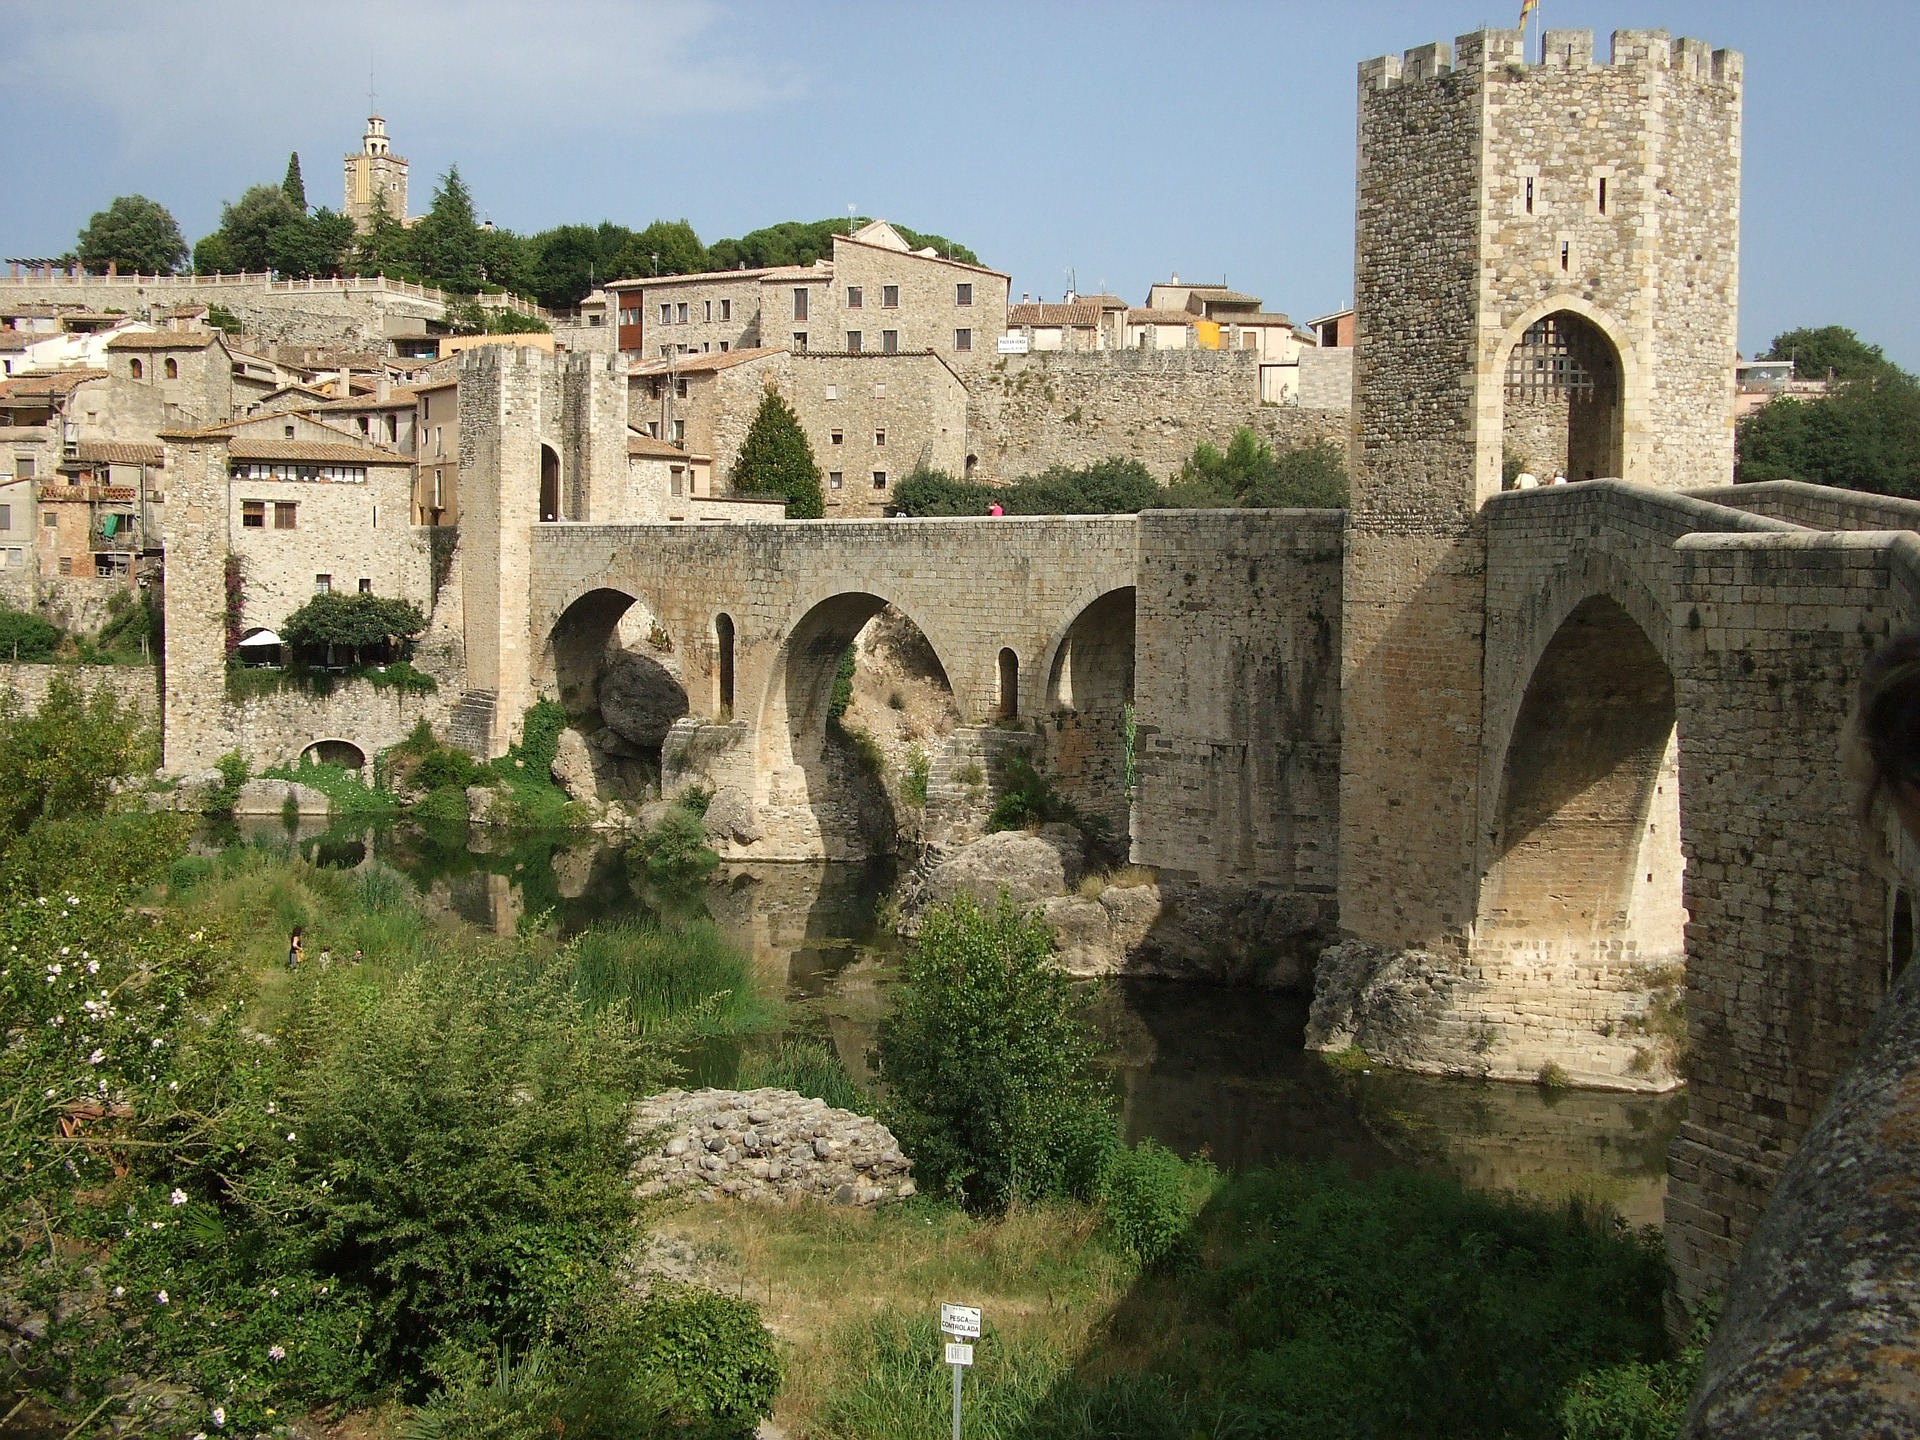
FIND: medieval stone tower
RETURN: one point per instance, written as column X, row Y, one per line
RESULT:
column 375, row 177
column 1546, row 272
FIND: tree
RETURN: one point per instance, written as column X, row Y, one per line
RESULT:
column 1309, row 477
column 446, row 242
column 775, row 459
column 249, row 225
column 1863, row 436
column 673, row 241
column 212, row 257
column 293, row 186
column 1829, row 349
column 352, row 622
column 385, row 247
column 568, row 261
column 135, row 234
column 311, row 245
column 992, row 1088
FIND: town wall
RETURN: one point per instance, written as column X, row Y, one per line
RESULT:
column 137, row 686
column 195, row 733
column 1028, row 412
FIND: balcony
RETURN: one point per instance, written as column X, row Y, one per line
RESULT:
column 57, row 490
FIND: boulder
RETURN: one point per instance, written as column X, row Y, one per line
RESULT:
column 1388, row 1002
column 488, row 806
column 269, row 797
column 1082, row 936
column 1029, row 865
column 731, row 816
column 639, row 699
column 583, row 770
column 769, row 1147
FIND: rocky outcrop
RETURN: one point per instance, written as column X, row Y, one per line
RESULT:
column 1029, row 866
column 1103, row 936
column 1387, row 1002
column 639, row 699
column 270, row 797
column 767, row 1146
column 1818, row 1333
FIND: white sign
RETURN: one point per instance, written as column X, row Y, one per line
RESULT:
column 961, row 1320
column 1012, row 345
column 958, row 1354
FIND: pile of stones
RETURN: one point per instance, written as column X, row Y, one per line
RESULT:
column 769, row 1146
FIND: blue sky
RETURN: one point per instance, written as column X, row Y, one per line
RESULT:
column 1120, row 140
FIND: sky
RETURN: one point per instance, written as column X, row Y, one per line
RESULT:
column 1113, row 142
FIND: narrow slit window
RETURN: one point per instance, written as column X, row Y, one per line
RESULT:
column 1566, row 254
column 1603, row 194
column 1529, row 194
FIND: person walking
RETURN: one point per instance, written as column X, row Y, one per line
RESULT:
column 294, row 943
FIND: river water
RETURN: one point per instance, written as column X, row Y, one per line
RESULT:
column 1199, row 1068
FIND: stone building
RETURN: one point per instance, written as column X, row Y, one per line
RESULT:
column 877, row 293
column 376, row 178
column 436, row 429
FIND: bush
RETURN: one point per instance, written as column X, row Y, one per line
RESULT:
column 94, row 855
column 1114, row 486
column 233, row 774
column 63, row 759
column 352, row 622
column 446, row 766
column 1147, row 1200
column 1308, row 477
column 676, row 847
column 806, row 1067
column 776, row 460
column 25, row 636
column 913, row 781
column 686, row 980
column 1029, row 798
column 712, row 1357
column 1633, row 1401
column 991, row 1073
column 348, row 795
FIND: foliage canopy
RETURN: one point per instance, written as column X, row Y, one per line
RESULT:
column 775, row 459
column 135, row 234
column 1863, row 435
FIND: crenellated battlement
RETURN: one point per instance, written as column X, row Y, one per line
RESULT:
column 1489, row 51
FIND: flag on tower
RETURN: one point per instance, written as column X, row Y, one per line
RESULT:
column 1527, row 7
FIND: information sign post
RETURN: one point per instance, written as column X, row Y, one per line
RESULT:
column 963, row 1323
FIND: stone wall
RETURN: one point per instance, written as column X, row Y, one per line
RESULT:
column 346, row 531
column 275, row 729
column 361, row 313
column 1326, row 378
column 1027, row 412
column 135, row 685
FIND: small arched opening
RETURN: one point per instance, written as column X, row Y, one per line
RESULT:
column 1563, row 410
column 334, row 752
column 549, row 483
column 1089, row 708
column 1007, row 701
column 972, row 461
column 171, row 369
column 1584, row 887
column 723, row 649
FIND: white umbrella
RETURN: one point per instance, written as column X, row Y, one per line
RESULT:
column 265, row 637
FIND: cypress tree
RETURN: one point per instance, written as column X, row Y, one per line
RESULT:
column 293, row 185
column 776, row 460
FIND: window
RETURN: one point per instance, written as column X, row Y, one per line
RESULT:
column 137, row 370
column 890, row 341
column 834, row 436
column 366, row 586
column 880, row 390
column 963, row 339
column 366, row 425
column 683, row 312
column 680, row 386
column 172, row 368
column 963, row 294
column 1528, row 200
column 23, row 467
column 879, row 479
column 439, row 440
column 666, row 312
column 393, row 429
column 653, row 429
column 1566, row 254
column 679, row 432
column 6, row 517
column 288, row 429
column 853, row 342
column 879, row 439
column 439, row 494
column 726, row 310
column 1009, row 684
column 284, row 513
column 323, row 584
column 889, row 297
column 253, row 514
column 66, row 564
column 666, row 351
column 725, row 346
column 800, row 304
column 675, row 482
column 706, row 312
column 799, row 339
column 833, row 392
column 1602, row 197
column 51, row 520
column 834, row 480
column 855, row 296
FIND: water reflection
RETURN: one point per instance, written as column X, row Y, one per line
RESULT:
column 1200, row 1068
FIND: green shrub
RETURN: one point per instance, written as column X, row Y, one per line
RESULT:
column 991, row 1072
column 352, row 622
column 25, row 636
column 676, row 847
column 539, row 741
column 712, row 1357
column 1147, row 1200
column 446, row 766
column 94, row 854
column 1115, row 486
column 1029, row 798
column 842, row 695
column 913, row 781
column 775, row 460
column 348, row 795
column 1633, row 1401
column 806, row 1067
column 233, row 774
column 63, row 758
column 1308, row 477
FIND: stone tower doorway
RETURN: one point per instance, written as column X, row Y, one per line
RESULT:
column 1561, row 400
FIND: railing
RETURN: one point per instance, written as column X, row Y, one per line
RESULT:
column 55, row 490
column 267, row 280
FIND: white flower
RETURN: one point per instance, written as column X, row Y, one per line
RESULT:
column 73, row 899
column 43, row 900
column 159, row 1225
column 157, row 1043
column 275, row 1352
column 96, row 1057
column 118, row 1291
column 274, row 1294
column 271, row 1107
column 289, row 1137
column 54, row 968
column 49, row 1094
column 65, row 951
column 178, row 1197
column 93, row 967
column 161, row 1297
column 219, row 1416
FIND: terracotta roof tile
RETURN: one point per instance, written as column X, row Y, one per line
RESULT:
column 646, row 447
column 245, row 447
column 163, row 340
column 46, row 384
column 1084, row 313
column 1161, row 317
column 707, row 363
column 121, row 452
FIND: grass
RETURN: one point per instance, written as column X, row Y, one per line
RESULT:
column 687, row 977
column 350, row 797
column 1092, row 887
column 806, row 1067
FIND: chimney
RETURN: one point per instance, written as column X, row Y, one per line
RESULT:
column 345, row 384
column 383, row 387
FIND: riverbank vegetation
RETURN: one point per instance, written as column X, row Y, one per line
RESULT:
column 391, row 1184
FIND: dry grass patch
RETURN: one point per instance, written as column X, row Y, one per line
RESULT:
column 1041, row 1274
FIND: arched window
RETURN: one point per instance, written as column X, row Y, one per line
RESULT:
column 723, row 638
column 1009, row 685
column 172, row 368
column 137, row 370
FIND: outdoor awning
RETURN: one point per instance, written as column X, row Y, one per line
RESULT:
column 265, row 637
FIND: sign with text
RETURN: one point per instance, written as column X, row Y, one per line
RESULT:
column 961, row 1320
column 959, row 1353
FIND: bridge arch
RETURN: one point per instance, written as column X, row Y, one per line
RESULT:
column 334, row 751
column 1584, row 870
column 1088, row 701
column 613, row 664
column 1563, row 383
